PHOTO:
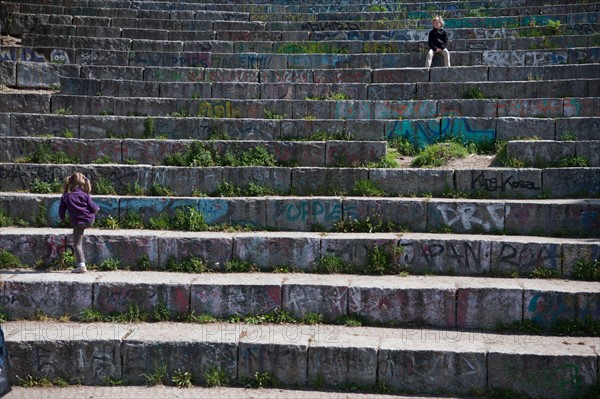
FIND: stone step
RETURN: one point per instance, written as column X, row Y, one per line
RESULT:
column 401, row 360
column 156, row 152
column 545, row 153
column 413, row 301
column 556, row 217
column 395, row 89
column 255, row 60
column 412, row 253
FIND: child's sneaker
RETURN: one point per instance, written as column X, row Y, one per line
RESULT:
column 80, row 269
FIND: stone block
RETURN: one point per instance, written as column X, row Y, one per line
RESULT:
column 295, row 129
column 275, row 76
column 405, row 75
column 432, row 371
column 78, row 354
column 252, row 295
column 127, row 247
column 303, row 214
column 329, row 297
column 581, row 107
column 116, row 88
column 235, row 90
column 78, row 105
column 275, row 178
column 352, row 110
column 5, row 129
column 286, row 250
column 479, row 130
column 556, row 218
column 365, row 129
column 8, row 73
column 308, row 110
column 18, row 177
column 477, row 73
column 401, row 301
column 27, row 295
column 149, row 292
column 153, row 207
column 576, row 252
column 215, row 250
column 218, row 46
column 419, row 132
column 284, row 354
column 539, row 153
column 541, row 374
column 326, row 181
column 405, row 109
column 123, row 177
column 531, row 108
column 546, row 304
column 40, row 125
column 516, row 73
column 232, row 75
column 571, row 182
column 281, row 91
column 206, row 347
column 355, row 250
column 96, row 127
column 580, row 128
column 146, row 106
column 403, row 213
column 353, row 153
column 25, row 103
column 589, row 150
column 105, row 72
column 500, row 182
column 410, row 181
column 510, row 128
column 396, row 91
column 526, row 255
column 467, row 108
column 476, row 298
column 444, row 255
column 101, row 57
column 338, row 363
column 468, row 216
column 80, row 87
column 563, row 88
column 342, row 76
column 299, row 153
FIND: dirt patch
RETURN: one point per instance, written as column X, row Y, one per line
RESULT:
column 471, row 162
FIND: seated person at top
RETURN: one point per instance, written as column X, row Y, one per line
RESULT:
column 438, row 41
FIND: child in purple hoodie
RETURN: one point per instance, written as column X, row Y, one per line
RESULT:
column 76, row 200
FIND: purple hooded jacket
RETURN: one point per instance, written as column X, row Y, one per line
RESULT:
column 81, row 208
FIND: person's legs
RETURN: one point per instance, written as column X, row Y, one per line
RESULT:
column 446, row 55
column 429, row 59
column 78, row 231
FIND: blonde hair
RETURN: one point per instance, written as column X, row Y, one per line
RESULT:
column 77, row 180
column 438, row 18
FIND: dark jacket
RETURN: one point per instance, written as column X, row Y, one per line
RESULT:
column 81, row 208
column 438, row 38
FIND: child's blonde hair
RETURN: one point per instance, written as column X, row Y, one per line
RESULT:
column 77, row 180
column 438, row 18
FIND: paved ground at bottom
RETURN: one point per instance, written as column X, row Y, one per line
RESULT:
column 90, row 392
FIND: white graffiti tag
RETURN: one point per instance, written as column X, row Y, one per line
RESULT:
column 465, row 213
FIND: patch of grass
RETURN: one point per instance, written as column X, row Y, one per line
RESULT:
column 63, row 111
column 332, row 264
column 63, row 261
column 131, row 220
column 261, row 380
column 240, row 266
column 149, row 129
column 367, row 225
column 272, row 115
column 156, row 377
column 366, row 188
column 576, row 328
column 543, row 273
column 38, row 382
column 91, row 316
column 573, row 162
column 44, row 154
column 403, row 146
column 158, row 190
column 189, row 219
column 473, row 93
column 109, row 223
column 182, row 379
column 353, row 321
column 312, row 318
column 114, row 381
column 103, row 186
column 103, row 160
column 110, row 265
column 388, row 161
column 188, row 265
column 9, row 260
column 133, row 315
column 587, row 270
column 438, row 154
column 5, row 220
column 201, row 319
column 384, row 260
column 215, row 377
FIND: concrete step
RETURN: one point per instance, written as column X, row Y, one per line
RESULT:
column 395, row 89
column 412, row 253
column 215, row 152
column 413, row 301
column 545, row 153
column 565, row 218
column 425, row 361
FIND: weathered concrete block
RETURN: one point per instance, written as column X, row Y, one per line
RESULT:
column 157, row 45
column 471, row 129
column 326, row 181
column 525, row 256
column 342, row 76
column 236, row 90
column 91, row 127
column 80, row 87
column 153, row 207
column 580, row 128
column 149, row 292
column 402, row 213
column 405, row 75
column 8, row 73
column 329, row 297
column 26, row 295
column 189, row 181
column 369, row 130
column 293, row 129
column 25, row 103
column 405, row 109
column 146, row 106
column 123, row 177
column 459, row 74
column 295, row 250
column 352, row 109
column 206, row 347
column 101, row 57
column 173, row 74
column 513, row 73
column 418, row 370
column 302, row 154
column 558, row 217
column 419, row 132
column 116, row 88
column 337, row 364
column 518, row 128
column 500, row 182
column 219, row 46
column 78, row 354
column 436, row 254
column 5, row 125
column 88, row 150
column 308, row 110
column 355, row 250
column 572, row 182
column 282, row 353
column 589, row 150
column 353, row 153
column 576, row 252
column 403, row 301
column 465, row 108
column 37, row 125
column 477, row 297
column 275, row 178
column 539, row 153
column 303, row 214
column 580, row 107
column 286, row 76
column 397, row 91
column 282, row 91
column 78, row 105
column 534, row 107
column 127, row 246
column 412, row 181
column 545, row 304
column 542, row 374
column 472, row 216
column 219, row 297
column 18, row 177
column 215, row 250
column 232, row 75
